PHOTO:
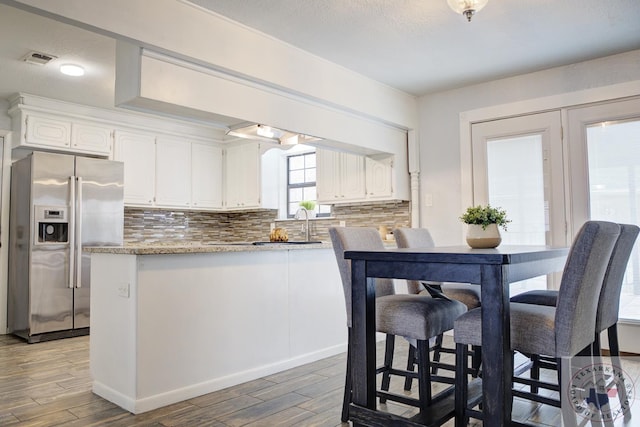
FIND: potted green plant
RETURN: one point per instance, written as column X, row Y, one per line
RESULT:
column 310, row 206
column 483, row 223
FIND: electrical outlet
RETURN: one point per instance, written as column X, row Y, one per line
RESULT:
column 272, row 226
column 123, row 290
column 428, row 199
column 343, row 223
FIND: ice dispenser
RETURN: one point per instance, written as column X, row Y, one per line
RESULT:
column 52, row 224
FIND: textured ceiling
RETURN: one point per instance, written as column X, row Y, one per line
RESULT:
column 422, row 46
column 418, row 46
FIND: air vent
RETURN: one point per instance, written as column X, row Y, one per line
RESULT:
column 38, row 58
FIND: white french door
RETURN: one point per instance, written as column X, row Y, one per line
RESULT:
column 550, row 190
column 518, row 166
column 604, row 153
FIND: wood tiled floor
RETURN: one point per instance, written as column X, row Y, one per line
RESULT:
column 49, row 384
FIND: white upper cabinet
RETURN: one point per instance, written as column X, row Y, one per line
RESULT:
column 173, row 172
column 138, row 152
column 91, row 138
column 169, row 172
column 340, row 177
column 352, row 177
column 242, row 176
column 379, row 178
column 206, row 176
column 38, row 130
column 250, row 178
column 327, row 176
column 344, row 177
column 47, row 131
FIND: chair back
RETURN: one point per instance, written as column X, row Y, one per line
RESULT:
column 582, row 279
column 356, row 239
column 413, row 238
column 609, row 305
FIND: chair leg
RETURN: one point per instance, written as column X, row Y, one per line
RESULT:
column 436, row 353
column 535, row 372
column 346, row 399
column 424, row 373
column 461, row 386
column 476, row 360
column 569, row 417
column 614, row 350
column 388, row 362
column 411, row 362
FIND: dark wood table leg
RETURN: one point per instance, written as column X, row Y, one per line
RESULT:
column 363, row 342
column 496, row 355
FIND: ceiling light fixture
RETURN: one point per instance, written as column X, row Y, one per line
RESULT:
column 467, row 7
column 72, row 70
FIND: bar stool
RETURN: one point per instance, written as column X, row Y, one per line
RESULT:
column 415, row 317
column 466, row 293
column 561, row 332
column 608, row 303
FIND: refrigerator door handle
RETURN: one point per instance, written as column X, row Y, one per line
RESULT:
column 79, row 234
column 72, row 232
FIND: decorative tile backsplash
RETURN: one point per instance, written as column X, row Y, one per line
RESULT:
column 168, row 226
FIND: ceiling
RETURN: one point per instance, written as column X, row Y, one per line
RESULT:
column 422, row 46
column 417, row 46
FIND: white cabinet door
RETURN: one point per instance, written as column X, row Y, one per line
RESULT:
column 137, row 151
column 327, row 176
column 352, row 177
column 379, row 175
column 206, row 176
column 173, row 172
column 242, row 173
column 90, row 138
column 340, row 177
column 47, row 131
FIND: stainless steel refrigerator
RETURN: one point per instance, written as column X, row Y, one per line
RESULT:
column 59, row 203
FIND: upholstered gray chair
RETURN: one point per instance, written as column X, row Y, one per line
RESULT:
column 421, row 238
column 609, row 302
column 560, row 332
column 466, row 293
column 415, row 317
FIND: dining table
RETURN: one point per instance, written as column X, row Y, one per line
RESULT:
column 494, row 270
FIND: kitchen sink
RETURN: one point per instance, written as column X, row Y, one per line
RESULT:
column 288, row 243
column 226, row 243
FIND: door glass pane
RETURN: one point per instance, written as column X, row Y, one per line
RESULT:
column 516, row 184
column 614, row 184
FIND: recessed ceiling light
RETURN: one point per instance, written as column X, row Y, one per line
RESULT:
column 72, row 70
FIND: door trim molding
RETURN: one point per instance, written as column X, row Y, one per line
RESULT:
column 525, row 107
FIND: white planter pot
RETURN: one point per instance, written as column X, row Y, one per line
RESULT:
column 479, row 238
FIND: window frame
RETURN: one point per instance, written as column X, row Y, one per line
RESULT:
column 301, row 185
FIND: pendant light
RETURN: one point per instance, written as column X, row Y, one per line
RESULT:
column 467, row 7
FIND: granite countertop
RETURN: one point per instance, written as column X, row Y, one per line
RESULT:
column 200, row 247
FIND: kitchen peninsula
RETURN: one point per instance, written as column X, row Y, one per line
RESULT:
column 169, row 323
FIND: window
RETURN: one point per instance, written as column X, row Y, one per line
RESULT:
column 301, row 183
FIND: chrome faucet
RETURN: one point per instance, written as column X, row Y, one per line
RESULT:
column 306, row 224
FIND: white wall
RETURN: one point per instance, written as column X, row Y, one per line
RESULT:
column 439, row 126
